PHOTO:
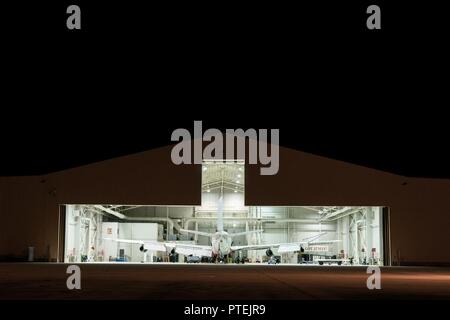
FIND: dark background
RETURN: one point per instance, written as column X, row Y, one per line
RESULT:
column 275, row 309
column 136, row 72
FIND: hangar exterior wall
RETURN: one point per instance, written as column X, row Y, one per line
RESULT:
column 145, row 178
column 420, row 222
column 419, row 210
column 25, row 220
column 29, row 206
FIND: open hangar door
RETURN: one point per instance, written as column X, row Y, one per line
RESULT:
column 336, row 235
column 223, row 230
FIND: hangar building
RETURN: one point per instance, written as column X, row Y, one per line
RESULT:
column 362, row 216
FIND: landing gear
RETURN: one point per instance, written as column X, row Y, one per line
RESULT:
column 142, row 249
column 238, row 260
column 274, row 260
column 219, row 259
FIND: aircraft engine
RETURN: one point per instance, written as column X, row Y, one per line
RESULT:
column 269, row 253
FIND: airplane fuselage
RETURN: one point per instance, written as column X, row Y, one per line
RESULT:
column 221, row 243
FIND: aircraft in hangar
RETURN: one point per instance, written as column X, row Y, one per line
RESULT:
column 221, row 243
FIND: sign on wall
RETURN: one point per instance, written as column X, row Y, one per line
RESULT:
column 317, row 249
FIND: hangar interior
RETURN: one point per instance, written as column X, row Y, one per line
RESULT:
column 328, row 234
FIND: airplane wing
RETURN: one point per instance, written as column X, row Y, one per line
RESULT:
column 254, row 247
column 125, row 241
column 313, row 239
column 180, row 248
column 149, row 245
column 193, row 249
column 196, row 232
column 323, row 242
column 282, row 247
column 293, row 247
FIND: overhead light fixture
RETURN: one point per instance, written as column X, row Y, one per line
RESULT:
column 235, row 191
column 205, row 168
column 237, row 181
column 208, row 190
column 239, row 176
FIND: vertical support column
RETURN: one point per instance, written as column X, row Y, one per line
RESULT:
column 339, row 235
column 169, row 227
column 353, row 235
column 386, row 236
column 196, row 235
column 247, row 238
column 259, row 233
column 363, row 232
column 346, row 236
column 254, row 236
column 370, row 227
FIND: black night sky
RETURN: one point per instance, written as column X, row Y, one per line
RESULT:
column 122, row 85
column 390, row 144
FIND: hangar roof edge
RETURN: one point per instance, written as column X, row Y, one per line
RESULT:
column 393, row 174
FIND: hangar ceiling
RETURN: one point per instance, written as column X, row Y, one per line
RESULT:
column 229, row 175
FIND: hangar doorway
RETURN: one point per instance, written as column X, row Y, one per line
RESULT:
column 223, row 230
column 326, row 235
